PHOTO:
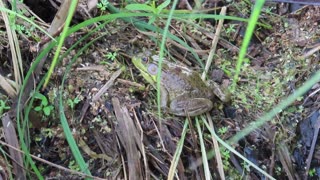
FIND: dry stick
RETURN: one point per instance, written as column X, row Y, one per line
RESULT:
column 315, row 136
column 108, row 84
column 52, row 164
column 312, row 51
column 143, row 151
column 216, row 150
column 209, row 62
column 214, row 43
column 15, row 50
column 194, row 145
column 100, row 92
column 7, row 87
column 122, row 159
column 125, row 130
column 10, row 137
column 130, row 83
column 310, row 95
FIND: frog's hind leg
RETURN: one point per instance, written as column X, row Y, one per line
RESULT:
column 193, row 107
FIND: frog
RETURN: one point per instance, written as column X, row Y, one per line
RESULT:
column 182, row 91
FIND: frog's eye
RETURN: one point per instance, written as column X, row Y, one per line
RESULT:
column 145, row 59
column 152, row 69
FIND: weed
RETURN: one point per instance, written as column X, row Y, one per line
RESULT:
column 268, row 10
column 278, row 170
column 231, row 29
column 3, row 106
column 111, row 56
column 312, row 172
column 21, row 29
column 44, row 105
column 73, row 102
column 246, row 166
column 156, row 10
column 27, row 31
column 45, row 133
column 74, row 166
column 102, row 5
column 222, row 130
column 226, row 154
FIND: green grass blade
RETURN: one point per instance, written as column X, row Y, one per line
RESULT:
column 21, row 130
column 140, row 7
column 177, row 154
column 72, row 9
column 161, row 54
column 233, row 151
column 246, row 40
column 71, row 141
column 203, row 152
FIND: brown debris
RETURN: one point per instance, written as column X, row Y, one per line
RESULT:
column 11, row 138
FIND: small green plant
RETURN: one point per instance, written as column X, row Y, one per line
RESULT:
column 246, row 166
column 20, row 28
column 222, row 130
column 27, row 31
column 312, row 172
column 102, row 5
column 278, row 170
column 226, row 154
column 111, row 56
column 74, row 166
column 231, row 29
column 45, row 132
column 44, row 105
column 3, row 107
column 268, row 10
column 156, row 10
column 73, row 102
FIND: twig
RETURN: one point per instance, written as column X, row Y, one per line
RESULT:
column 11, row 138
column 100, row 92
column 143, row 150
column 312, row 51
column 216, row 149
column 311, row 94
column 315, row 136
column 214, row 43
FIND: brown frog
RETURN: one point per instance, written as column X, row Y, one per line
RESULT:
column 182, row 90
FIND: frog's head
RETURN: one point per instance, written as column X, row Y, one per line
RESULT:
column 148, row 69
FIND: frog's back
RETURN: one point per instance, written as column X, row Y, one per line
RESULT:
column 175, row 82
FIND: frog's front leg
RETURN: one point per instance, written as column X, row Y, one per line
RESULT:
column 223, row 94
column 164, row 98
column 183, row 106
